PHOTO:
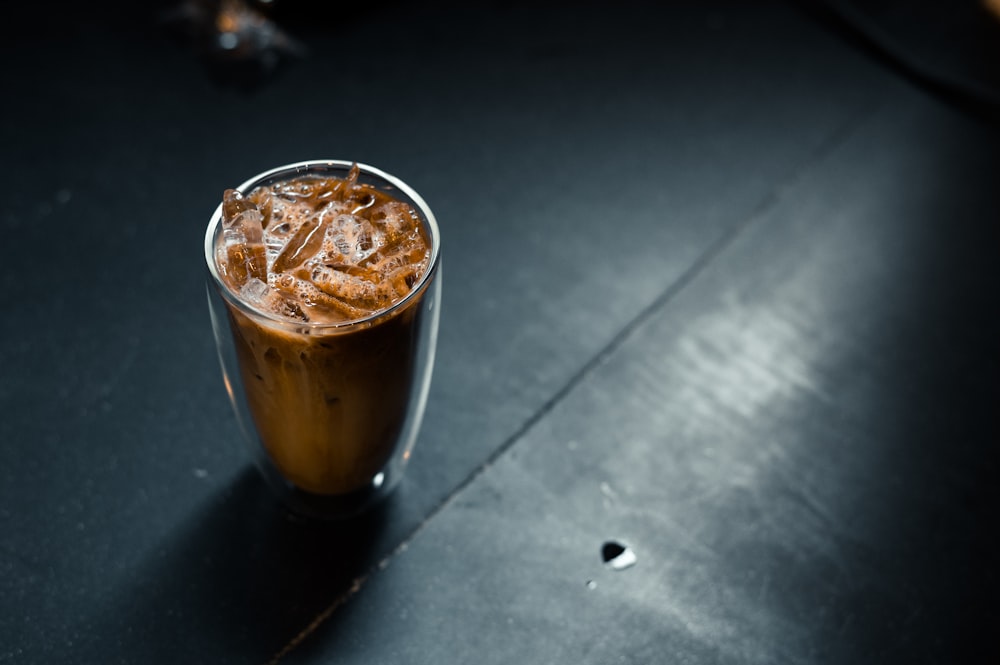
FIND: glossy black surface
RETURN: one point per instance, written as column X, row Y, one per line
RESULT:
column 719, row 287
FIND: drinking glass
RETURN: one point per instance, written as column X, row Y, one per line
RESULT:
column 330, row 410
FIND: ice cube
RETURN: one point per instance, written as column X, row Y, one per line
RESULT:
column 319, row 305
column 242, row 240
column 243, row 261
column 260, row 295
column 353, row 289
column 352, row 176
column 362, row 238
column 286, row 220
column 350, row 239
column 306, row 242
column 402, row 279
column 287, row 307
column 261, row 197
column 254, row 291
column 234, row 205
column 390, row 258
column 396, row 220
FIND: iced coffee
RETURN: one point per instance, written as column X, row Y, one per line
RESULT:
column 325, row 274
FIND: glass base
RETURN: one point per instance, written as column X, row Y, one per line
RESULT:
column 331, row 507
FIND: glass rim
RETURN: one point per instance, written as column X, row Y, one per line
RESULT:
column 289, row 171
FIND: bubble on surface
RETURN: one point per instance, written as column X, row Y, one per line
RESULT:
column 295, row 191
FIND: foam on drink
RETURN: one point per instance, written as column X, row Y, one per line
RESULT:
column 326, row 249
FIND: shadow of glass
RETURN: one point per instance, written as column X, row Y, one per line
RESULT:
column 238, row 583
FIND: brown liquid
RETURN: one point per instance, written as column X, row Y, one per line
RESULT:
column 329, row 406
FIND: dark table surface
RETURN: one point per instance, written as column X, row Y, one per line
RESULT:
column 720, row 285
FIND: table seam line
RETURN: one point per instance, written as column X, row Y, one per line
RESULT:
column 825, row 148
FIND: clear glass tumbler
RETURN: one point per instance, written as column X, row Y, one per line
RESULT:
column 330, row 410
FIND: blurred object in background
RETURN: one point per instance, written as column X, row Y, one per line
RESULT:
column 237, row 41
column 993, row 6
